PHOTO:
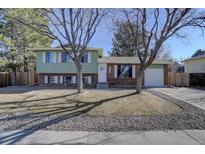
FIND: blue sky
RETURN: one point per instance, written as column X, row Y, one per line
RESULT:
column 179, row 49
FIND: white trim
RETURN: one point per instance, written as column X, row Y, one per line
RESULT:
column 46, row 79
column 73, row 80
column 133, row 71
column 56, row 79
column 54, row 57
column 89, row 57
column 61, row 79
column 59, row 57
column 44, row 57
column 115, row 71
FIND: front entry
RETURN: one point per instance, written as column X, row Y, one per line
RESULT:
column 102, row 73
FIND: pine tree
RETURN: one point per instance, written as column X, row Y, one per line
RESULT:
column 123, row 45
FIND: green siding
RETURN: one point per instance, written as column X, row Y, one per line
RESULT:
column 66, row 67
column 156, row 66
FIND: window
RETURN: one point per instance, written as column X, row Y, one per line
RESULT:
column 84, row 58
column 68, row 79
column 65, row 57
column 124, row 71
column 49, row 57
column 52, row 79
column 87, row 79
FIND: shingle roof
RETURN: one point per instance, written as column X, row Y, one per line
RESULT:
column 194, row 58
column 128, row 60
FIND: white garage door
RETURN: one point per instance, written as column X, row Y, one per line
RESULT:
column 154, row 77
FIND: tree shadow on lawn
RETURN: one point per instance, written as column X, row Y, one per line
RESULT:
column 60, row 114
column 24, row 89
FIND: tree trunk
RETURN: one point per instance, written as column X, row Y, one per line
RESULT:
column 140, row 76
column 79, row 78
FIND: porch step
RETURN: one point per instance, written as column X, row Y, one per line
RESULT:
column 102, row 85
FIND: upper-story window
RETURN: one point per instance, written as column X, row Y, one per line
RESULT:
column 65, row 57
column 49, row 57
column 124, row 71
column 85, row 58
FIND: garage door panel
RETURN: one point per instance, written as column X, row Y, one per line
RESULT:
column 154, row 77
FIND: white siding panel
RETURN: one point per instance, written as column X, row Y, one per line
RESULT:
column 61, row 79
column 44, row 57
column 133, row 71
column 45, row 79
column 195, row 66
column 115, row 71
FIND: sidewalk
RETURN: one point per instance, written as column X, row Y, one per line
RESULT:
column 78, row 137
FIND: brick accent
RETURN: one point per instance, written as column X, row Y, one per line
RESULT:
column 94, row 77
column 166, row 74
column 120, row 81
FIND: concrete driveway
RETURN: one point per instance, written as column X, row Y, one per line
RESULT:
column 195, row 97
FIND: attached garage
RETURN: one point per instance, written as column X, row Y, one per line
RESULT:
column 154, row 77
column 122, row 72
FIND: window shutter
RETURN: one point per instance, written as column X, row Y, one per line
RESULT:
column 54, row 57
column 56, row 80
column 44, row 57
column 59, row 57
column 74, row 79
column 61, row 79
column 89, row 79
column 115, row 71
column 45, row 79
column 89, row 57
column 133, row 71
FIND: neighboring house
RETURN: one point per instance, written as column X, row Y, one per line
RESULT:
column 55, row 67
column 122, row 71
column 195, row 65
column 196, row 68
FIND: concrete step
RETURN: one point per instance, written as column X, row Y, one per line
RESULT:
column 102, row 85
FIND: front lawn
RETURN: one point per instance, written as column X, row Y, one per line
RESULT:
column 37, row 108
column 91, row 102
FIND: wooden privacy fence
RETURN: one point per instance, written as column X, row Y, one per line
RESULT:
column 178, row 79
column 4, row 79
column 22, row 78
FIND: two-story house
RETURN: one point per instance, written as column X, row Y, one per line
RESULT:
column 54, row 66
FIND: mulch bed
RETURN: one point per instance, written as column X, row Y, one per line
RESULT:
column 190, row 118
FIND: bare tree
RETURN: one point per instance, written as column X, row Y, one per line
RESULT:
column 71, row 27
column 156, row 26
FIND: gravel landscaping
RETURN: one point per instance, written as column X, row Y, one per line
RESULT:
column 189, row 117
